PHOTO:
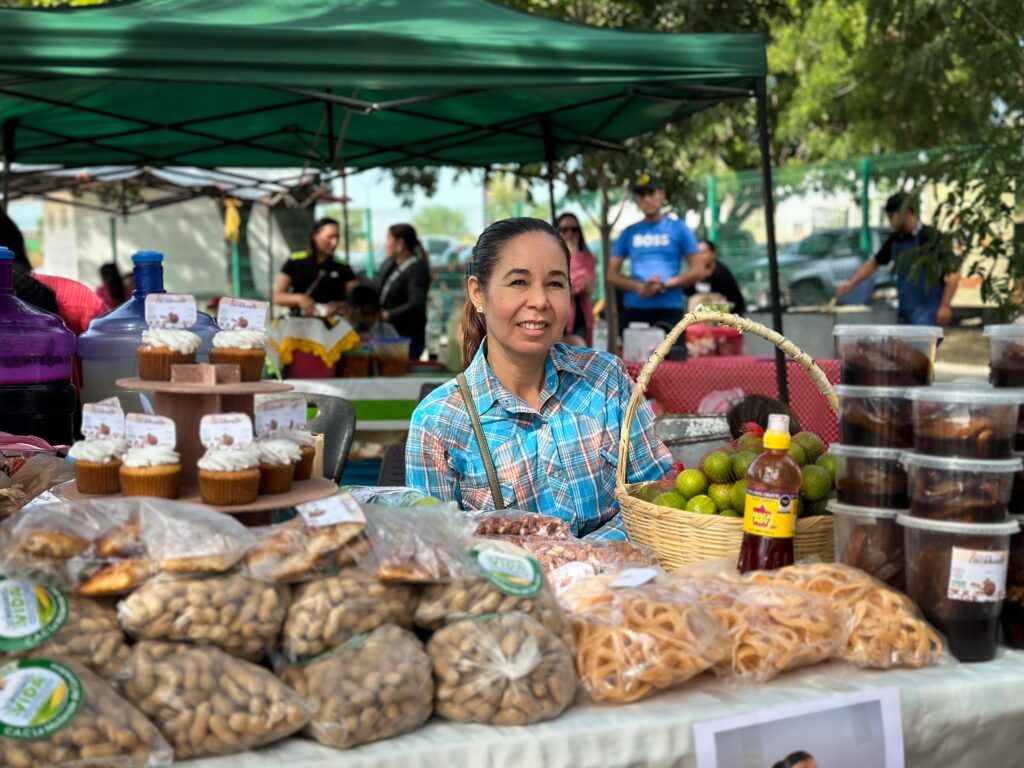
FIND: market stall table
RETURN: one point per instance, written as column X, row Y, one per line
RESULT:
column 381, row 403
column 952, row 715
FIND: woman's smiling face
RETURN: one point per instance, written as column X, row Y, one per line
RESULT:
column 526, row 302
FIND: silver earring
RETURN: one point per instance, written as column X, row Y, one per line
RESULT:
column 480, row 310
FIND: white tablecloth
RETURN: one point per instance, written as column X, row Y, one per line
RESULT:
column 964, row 715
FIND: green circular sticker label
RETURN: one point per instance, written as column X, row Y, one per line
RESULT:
column 37, row 699
column 514, row 573
column 30, row 614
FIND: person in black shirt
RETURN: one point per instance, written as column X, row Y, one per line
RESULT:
column 315, row 276
column 721, row 280
column 403, row 286
column 922, row 300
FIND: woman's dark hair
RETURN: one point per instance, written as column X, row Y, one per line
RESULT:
column 793, row 758
column 574, row 217
column 11, row 237
column 407, row 234
column 112, row 279
column 710, row 244
column 364, row 296
column 326, row 221
column 757, row 409
column 486, row 254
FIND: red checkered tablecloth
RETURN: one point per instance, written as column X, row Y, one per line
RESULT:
column 679, row 387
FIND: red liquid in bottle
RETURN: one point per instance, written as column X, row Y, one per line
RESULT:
column 773, row 493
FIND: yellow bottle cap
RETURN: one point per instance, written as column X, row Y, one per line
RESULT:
column 776, row 437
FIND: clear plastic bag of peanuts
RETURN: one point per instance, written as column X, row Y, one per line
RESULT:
column 56, row 713
column 206, row 702
column 516, row 522
column 502, row 669
column 42, row 621
column 376, row 686
column 240, row 614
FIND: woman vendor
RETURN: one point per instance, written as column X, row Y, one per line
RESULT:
column 315, row 276
column 550, row 414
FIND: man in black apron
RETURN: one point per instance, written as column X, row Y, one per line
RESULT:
column 922, row 299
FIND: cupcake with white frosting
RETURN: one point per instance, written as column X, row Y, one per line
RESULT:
column 246, row 349
column 228, row 477
column 306, row 443
column 151, row 470
column 163, row 347
column 97, row 465
column 278, row 459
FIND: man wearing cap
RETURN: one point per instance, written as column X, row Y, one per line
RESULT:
column 922, row 300
column 663, row 259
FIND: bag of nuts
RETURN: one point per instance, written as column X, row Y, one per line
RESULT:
column 515, row 522
column 237, row 613
column 374, row 687
column 42, row 621
column 331, row 610
column 505, row 578
column 502, row 669
column 206, row 702
column 56, row 713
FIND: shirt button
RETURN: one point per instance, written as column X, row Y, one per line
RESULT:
column 556, row 474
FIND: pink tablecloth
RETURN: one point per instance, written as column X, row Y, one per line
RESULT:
column 679, row 387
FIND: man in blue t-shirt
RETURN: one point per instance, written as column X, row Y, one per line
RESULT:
column 663, row 260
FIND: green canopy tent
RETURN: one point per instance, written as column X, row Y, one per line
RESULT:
column 350, row 83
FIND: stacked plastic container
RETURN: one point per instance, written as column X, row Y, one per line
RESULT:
column 879, row 366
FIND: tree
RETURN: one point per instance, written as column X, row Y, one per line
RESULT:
column 440, row 220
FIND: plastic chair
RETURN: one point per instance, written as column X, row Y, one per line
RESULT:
column 336, row 419
column 392, row 467
column 426, row 388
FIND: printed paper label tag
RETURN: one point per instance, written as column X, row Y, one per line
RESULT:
column 333, row 510
column 102, row 422
column 37, row 699
column 225, row 430
column 274, row 417
column 30, row 614
column 977, row 575
column 770, row 514
column 170, row 310
column 143, row 430
column 42, row 500
column 110, row 401
column 514, row 573
column 242, row 314
column 634, row 577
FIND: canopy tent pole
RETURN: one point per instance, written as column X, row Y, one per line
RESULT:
column 549, row 155
column 270, row 257
column 8, row 149
column 769, row 224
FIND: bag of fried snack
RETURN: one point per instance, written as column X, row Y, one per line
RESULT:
column 206, row 702
column 237, row 613
column 376, row 686
column 772, row 628
column 329, row 611
column 516, row 522
column 56, row 713
column 886, row 628
column 501, row 577
column 501, row 669
column 103, row 547
column 416, row 545
column 635, row 635
column 567, row 562
column 36, row 620
column 296, row 551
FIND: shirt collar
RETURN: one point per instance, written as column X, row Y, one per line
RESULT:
column 487, row 390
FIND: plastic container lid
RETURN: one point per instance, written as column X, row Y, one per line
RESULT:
column 971, row 394
column 970, row 529
column 961, row 465
column 6, row 254
column 1013, row 331
column 839, row 508
column 864, row 452
column 854, row 390
column 911, row 332
column 147, row 257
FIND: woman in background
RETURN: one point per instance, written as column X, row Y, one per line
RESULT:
column 403, row 285
column 315, row 276
column 583, row 273
column 114, row 290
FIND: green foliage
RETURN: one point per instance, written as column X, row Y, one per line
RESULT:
column 440, row 220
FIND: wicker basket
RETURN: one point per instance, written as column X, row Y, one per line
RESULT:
column 677, row 537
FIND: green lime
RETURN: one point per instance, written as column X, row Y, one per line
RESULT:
column 671, row 499
column 738, row 495
column 730, row 513
column 741, row 462
column 691, row 482
column 718, row 467
column 828, row 461
column 749, row 442
column 702, row 505
column 811, row 443
column 817, row 483
column 721, row 494
column 426, row 501
column 648, row 492
column 813, row 508
column 797, row 454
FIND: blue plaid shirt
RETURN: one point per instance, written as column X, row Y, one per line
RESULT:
column 559, row 461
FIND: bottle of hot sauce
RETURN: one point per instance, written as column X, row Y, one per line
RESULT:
column 773, row 493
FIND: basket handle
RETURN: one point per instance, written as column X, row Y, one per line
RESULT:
column 701, row 315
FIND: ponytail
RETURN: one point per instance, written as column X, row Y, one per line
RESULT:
column 473, row 331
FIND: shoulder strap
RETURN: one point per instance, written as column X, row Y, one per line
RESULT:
column 481, row 439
